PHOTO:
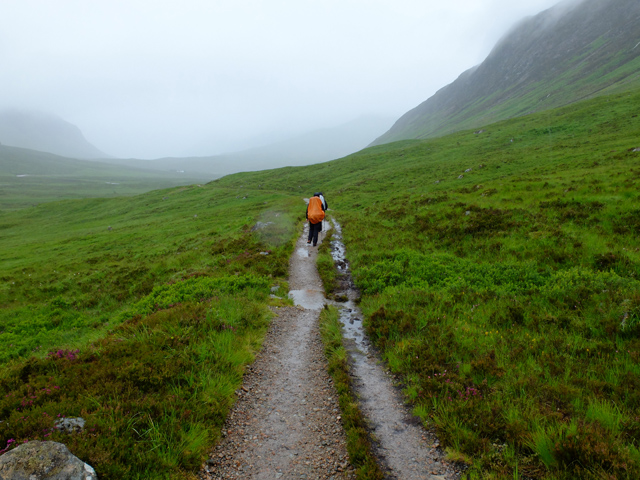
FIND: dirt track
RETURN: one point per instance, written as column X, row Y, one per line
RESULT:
column 286, row 423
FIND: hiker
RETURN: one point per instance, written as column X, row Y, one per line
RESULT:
column 315, row 215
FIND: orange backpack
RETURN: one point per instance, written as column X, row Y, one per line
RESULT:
column 315, row 214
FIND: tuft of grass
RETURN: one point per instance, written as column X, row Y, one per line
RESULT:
column 326, row 267
column 359, row 443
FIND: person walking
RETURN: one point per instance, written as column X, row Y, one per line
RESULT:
column 315, row 215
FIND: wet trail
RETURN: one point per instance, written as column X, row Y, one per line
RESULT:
column 404, row 447
column 286, row 422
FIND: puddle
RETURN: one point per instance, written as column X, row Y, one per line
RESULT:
column 401, row 443
column 309, row 299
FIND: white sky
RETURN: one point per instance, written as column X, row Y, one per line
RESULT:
column 153, row 78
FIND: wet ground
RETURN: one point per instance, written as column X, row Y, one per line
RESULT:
column 287, row 424
column 404, row 447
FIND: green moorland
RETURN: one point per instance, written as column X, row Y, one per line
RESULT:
column 499, row 274
column 499, row 277
column 137, row 314
column 29, row 177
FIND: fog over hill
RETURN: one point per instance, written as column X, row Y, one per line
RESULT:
column 572, row 51
column 44, row 132
column 309, row 148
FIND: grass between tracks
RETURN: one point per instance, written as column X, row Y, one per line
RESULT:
column 358, row 439
column 326, row 267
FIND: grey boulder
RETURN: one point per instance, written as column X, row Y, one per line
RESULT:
column 43, row 461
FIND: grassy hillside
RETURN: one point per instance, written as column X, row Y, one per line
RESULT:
column 566, row 54
column 500, row 280
column 29, row 177
column 499, row 276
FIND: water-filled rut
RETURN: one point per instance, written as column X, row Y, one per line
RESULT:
column 405, row 448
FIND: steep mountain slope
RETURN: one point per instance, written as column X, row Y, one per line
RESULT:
column 45, row 132
column 570, row 52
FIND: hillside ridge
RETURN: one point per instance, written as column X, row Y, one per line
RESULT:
column 567, row 53
column 45, row 132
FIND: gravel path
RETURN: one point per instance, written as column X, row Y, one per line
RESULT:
column 286, row 423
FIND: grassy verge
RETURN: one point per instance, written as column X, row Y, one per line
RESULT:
column 358, row 439
column 326, row 267
column 154, row 393
column 138, row 315
column 505, row 291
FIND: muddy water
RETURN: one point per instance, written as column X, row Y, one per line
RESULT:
column 404, row 447
column 307, row 290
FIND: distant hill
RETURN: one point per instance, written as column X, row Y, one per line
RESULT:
column 28, row 177
column 46, row 133
column 573, row 51
column 313, row 147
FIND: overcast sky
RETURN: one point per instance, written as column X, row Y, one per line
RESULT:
column 153, row 78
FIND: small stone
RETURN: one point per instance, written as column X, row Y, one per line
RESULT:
column 70, row 425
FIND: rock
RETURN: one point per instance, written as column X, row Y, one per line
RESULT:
column 468, row 170
column 636, row 149
column 43, row 461
column 479, row 132
column 460, row 177
column 467, row 213
column 275, row 288
column 70, row 425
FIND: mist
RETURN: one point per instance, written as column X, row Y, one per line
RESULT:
column 155, row 79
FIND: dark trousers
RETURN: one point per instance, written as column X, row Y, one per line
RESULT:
column 313, row 232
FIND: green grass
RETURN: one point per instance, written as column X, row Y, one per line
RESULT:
column 507, row 299
column 326, row 267
column 29, row 177
column 499, row 274
column 139, row 315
